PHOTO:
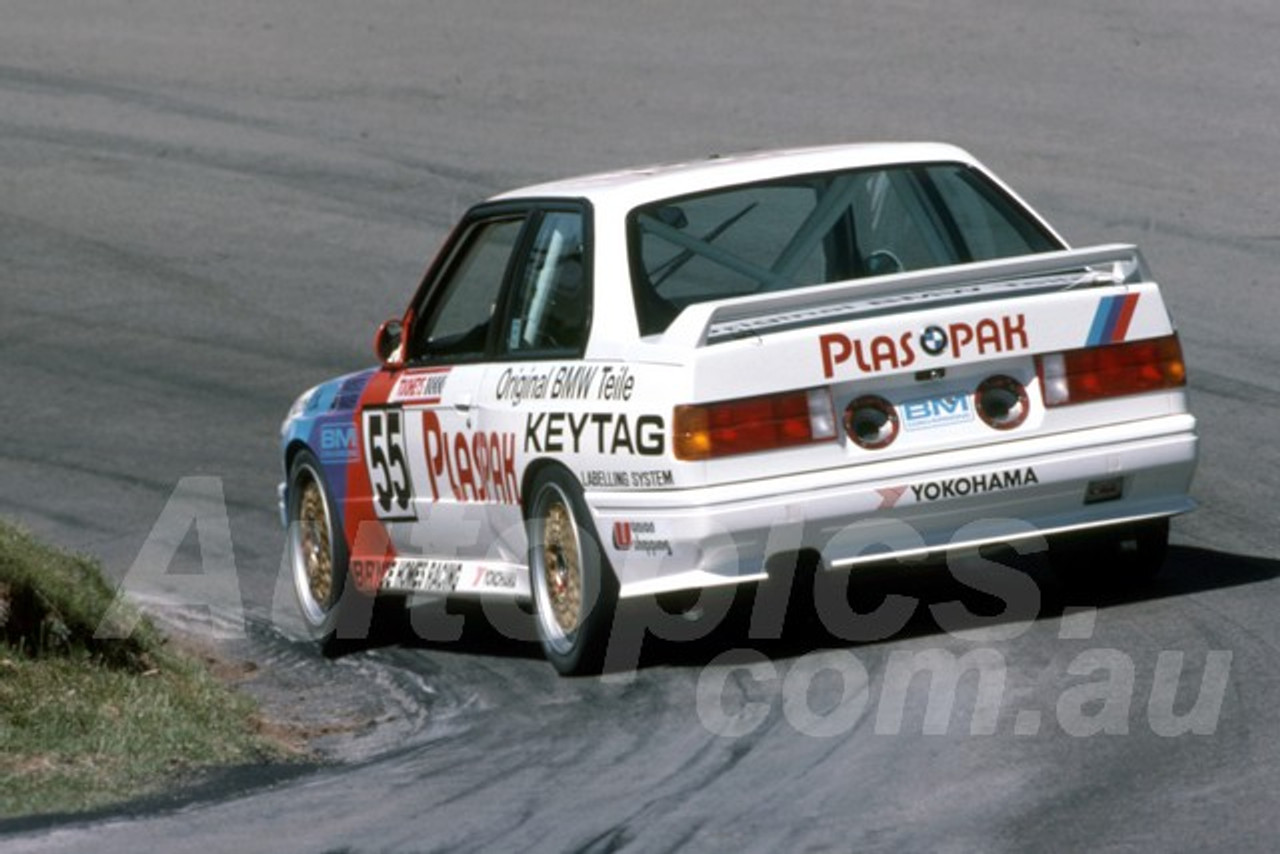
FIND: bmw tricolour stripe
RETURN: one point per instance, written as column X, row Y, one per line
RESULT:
column 1111, row 321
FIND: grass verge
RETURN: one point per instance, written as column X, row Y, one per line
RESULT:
column 86, row 722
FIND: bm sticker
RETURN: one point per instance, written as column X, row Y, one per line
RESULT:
column 943, row 410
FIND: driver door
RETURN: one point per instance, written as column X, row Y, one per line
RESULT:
column 422, row 444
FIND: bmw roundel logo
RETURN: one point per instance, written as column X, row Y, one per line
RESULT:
column 933, row 340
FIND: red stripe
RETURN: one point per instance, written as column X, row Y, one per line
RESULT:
column 1126, row 314
column 368, row 542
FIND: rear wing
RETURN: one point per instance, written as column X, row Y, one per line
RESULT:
column 709, row 323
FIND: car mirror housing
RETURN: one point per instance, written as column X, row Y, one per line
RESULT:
column 387, row 342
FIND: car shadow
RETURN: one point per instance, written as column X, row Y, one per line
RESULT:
column 497, row 629
column 793, row 614
column 890, row 604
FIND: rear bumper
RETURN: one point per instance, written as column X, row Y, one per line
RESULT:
column 671, row 540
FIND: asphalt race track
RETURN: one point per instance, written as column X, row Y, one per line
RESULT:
column 207, row 208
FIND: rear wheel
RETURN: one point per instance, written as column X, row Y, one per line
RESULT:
column 1127, row 554
column 575, row 592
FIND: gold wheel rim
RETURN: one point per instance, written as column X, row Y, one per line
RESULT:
column 316, row 553
column 562, row 567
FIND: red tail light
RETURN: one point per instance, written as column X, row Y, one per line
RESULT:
column 752, row 424
column 1116, row 370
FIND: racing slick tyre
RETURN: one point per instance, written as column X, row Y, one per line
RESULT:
column 1124, row 555
column 340, row 619
column 575, row 592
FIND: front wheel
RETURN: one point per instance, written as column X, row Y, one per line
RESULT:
column 338, row 616
column 575, row 592
column 317, row 550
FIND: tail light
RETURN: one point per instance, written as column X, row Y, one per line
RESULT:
column 1097, row 373
column 751, row 424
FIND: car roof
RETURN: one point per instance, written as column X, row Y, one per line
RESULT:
column 643, row 184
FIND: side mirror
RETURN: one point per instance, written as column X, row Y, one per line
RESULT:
column 387, row 341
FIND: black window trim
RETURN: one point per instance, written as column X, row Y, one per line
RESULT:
column 496, row 351
column 430, row 288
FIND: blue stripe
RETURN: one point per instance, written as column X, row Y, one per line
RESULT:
column 1102, row 319
column 1113, row 320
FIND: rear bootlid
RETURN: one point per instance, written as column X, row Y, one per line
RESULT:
column 925, row 342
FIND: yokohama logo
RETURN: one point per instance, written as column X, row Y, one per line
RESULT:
column 978, row 484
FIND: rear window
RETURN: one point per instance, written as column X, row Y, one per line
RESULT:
column 815, row 229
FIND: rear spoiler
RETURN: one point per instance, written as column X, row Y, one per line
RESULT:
column 715, row 322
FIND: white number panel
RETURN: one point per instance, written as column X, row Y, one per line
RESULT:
column 387, row 460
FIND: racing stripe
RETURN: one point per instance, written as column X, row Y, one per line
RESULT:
column 1127, row 306
column 369, row 548
column 1099, row 325
column 1111, row 321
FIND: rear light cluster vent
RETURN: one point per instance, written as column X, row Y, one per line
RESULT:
column 871, row 422
column 1116, row 370
column 1002, row 402
column 752, row 424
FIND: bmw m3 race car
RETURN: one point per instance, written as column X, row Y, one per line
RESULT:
column 656, row 380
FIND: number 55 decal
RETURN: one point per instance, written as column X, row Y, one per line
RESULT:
column 388, row 464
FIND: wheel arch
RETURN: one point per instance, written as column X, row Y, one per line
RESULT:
column 531, row 474
column 590, row 523
column 291, row 452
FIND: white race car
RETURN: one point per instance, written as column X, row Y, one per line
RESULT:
column 660, row 379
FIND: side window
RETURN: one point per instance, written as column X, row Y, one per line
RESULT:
column 462, row 312
column 550, row 307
